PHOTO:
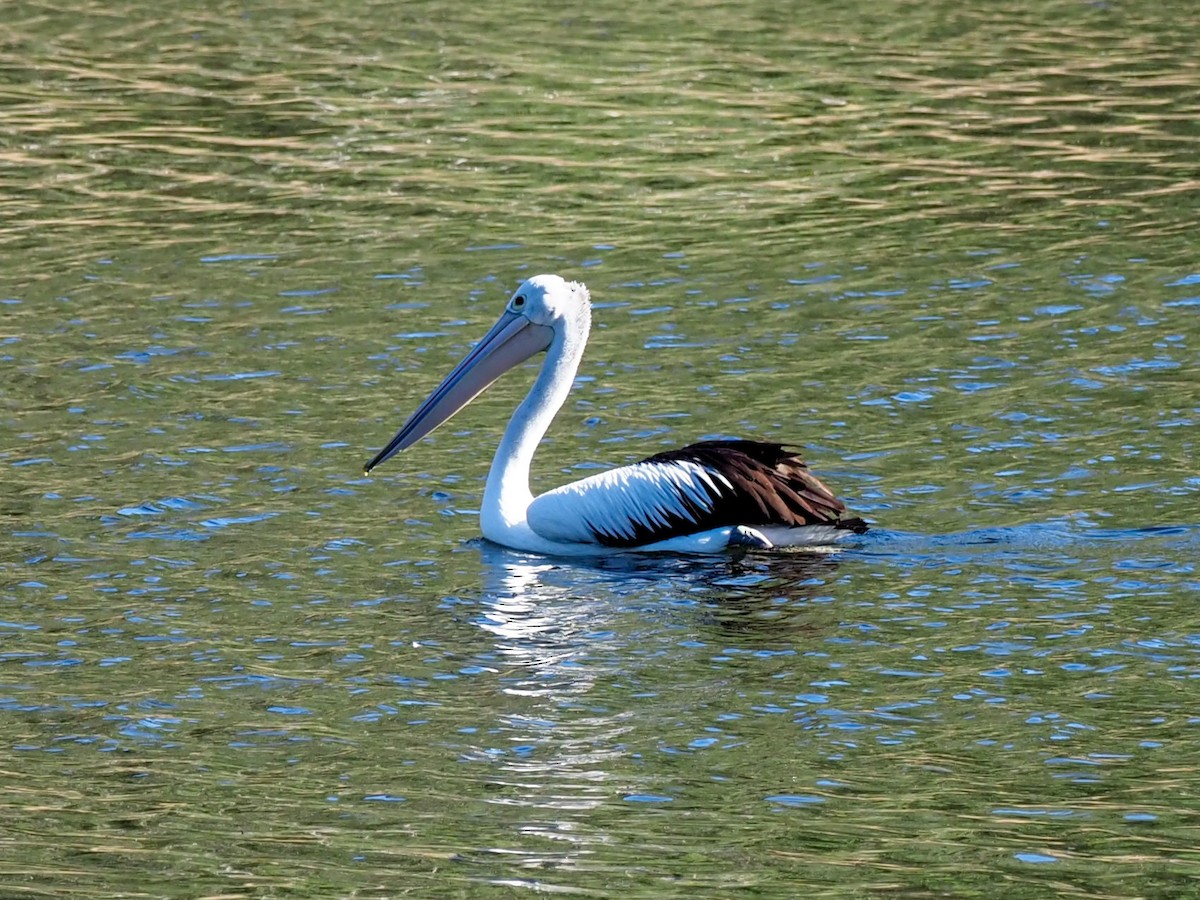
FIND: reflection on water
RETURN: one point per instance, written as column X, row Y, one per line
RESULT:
column 947, row 249
column 546, row 611
column 561, row 644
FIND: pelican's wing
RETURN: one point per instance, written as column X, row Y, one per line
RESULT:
column 638, row 504
column 699, row 487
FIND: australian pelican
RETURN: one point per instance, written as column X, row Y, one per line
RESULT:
column 704, row 498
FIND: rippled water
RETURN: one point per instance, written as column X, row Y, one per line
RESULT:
column 949, row 249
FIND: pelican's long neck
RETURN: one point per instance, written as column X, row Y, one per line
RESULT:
column 507, row 496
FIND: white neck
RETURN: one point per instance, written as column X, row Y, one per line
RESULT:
column 506, row 497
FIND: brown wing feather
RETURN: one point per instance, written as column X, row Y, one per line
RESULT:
column 772, row 485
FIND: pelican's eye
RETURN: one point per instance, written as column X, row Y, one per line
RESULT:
column 518, row 302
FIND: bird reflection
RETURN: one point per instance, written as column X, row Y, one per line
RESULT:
column 555, row 618
column 582, row 649
column 538, row 625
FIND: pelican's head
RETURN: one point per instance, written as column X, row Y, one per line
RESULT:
column 552, row 301
column 543, row 308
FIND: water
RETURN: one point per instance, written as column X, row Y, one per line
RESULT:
column 949, row 250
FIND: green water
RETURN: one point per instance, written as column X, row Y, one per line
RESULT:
column 948, row 249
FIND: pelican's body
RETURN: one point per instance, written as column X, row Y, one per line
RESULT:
column 704, row 498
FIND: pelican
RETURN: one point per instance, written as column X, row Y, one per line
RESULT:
column 704, row 498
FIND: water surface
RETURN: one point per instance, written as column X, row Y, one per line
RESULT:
column 948, row 250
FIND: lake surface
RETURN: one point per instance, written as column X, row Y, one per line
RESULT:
column 949, row 249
